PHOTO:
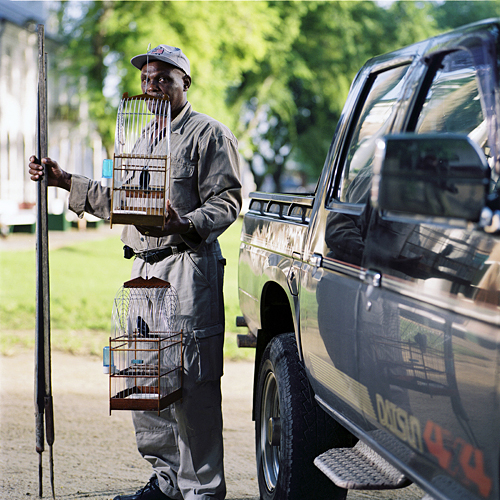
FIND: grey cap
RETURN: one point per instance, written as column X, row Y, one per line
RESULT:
column 165, row 53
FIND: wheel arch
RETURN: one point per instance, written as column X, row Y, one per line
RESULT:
column 276, row 318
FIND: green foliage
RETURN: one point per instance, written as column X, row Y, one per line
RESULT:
column 301, row 88
column 449, row 15
column 276, row 72
column 222, row 40
column 410, row 22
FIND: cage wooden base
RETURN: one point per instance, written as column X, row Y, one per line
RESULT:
column 137, row 219
column 125, row 400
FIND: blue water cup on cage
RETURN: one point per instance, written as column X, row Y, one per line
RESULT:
column 107, row 169
column 107, row 360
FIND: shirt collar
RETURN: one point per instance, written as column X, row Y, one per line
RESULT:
column 181, row 118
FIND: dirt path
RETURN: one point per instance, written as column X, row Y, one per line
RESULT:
column 94, row 453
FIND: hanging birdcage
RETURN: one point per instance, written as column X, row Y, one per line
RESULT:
column 141, row 164
column 145, row 347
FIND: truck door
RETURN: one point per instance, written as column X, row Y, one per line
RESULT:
column 330, row 293
column 428, row 310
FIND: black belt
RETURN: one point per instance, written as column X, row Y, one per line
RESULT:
column 154, row 256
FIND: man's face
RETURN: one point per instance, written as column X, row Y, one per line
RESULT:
column 159, row 78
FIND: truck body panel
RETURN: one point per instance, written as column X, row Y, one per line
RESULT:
column 396, row 317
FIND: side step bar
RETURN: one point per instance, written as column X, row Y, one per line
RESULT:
column 248, row 340
column 360, row 468
column 240, row 321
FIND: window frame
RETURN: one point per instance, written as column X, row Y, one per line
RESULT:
column 332, row 202
column 483, row 53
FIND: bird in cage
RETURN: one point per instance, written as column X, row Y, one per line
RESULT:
column 141, row 163
column 142, row 327
column 145, row 346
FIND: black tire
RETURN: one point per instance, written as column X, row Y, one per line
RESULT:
column 291, row 429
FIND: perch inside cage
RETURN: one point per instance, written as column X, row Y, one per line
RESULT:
column 141, row 164
column 145, row 347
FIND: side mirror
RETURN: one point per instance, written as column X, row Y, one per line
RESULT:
column 428, row 176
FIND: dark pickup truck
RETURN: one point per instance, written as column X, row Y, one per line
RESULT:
column 374, row 302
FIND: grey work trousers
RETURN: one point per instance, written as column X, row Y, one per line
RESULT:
column 184, row 443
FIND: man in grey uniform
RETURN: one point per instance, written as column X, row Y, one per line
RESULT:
column 183, row 444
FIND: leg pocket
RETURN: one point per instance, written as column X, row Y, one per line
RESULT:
column 209, row 350
column 156, row 436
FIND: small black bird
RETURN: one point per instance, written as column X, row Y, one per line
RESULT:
column 144, row 179
column 142, row 327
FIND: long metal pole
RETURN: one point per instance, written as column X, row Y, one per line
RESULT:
column 43, row 381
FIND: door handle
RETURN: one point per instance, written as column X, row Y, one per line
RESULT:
column 316, row 260
column 293, row 274
column 316, row 263
column 372, row 278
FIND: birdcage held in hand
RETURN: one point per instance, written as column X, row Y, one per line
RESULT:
column 141, row 161
column 145, row 347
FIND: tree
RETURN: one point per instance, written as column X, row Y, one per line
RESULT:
column 300, row 89
column 449, row 15
column 277, row 73
column 222, row 40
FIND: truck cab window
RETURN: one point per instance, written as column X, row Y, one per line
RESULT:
column 373, row 122
column 453, row 102
column 345, row 232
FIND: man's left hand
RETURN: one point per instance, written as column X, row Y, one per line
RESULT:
column 175, row 224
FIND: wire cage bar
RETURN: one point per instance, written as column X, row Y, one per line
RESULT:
column 146, row 354
column 141, row 161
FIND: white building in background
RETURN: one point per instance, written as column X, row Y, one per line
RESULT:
column 75, row 144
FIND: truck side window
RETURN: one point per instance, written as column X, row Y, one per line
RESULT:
column 345, row 232
column 373, row 122
column 453, row 101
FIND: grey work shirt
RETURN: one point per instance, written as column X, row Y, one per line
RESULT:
column 205, row 184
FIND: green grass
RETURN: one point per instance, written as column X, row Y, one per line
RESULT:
column 230, row 244
column 84, row 279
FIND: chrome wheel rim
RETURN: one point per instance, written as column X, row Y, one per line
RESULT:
column 270, row 410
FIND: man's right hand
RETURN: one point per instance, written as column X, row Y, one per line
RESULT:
column 56, row 175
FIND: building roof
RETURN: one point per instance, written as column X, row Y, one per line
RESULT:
column 22, row 13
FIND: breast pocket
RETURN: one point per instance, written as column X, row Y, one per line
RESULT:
column 183, row 189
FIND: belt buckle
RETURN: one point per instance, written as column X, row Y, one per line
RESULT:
column 150, row 257
column 175, row 250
